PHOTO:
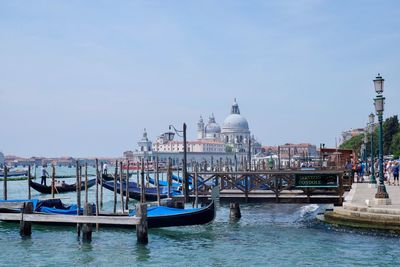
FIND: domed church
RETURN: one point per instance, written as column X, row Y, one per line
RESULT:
column 235, row 133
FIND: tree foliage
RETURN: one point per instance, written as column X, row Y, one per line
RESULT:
column 353, row 143
column 391, row 139
column 390, row 129
column 395, row 146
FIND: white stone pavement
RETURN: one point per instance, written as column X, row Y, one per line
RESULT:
column 363, row 194
column 360, row 209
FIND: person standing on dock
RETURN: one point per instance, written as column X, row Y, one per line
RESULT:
column 105, row 168
column 395, row 171
column 44, row 176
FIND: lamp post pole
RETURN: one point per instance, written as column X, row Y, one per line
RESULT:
column 371, row 128
column 170, row 137
column 379, row 107
column 381, row 193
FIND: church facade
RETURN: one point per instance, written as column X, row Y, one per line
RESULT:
column 231, row 141
column 234, row 134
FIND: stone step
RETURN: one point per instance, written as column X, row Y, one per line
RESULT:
column 379, row 210
column 368, row 216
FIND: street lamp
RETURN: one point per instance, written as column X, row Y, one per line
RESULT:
column 371, row 131
column 182, row 133
column 379, row 103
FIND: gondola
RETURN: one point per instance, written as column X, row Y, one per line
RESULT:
column 60, row 189
column 163, row 183
column 161, row 216
column 135, row 191
column 158, row 216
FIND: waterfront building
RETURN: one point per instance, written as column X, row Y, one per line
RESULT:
column 228, row 143
column 347, row 135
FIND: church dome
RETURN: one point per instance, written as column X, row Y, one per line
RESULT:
column 212, row 127
column 235, row 122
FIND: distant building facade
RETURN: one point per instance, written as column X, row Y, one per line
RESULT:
column 229, row 142
column 347, row 135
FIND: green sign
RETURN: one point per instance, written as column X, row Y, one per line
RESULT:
column 317, row 180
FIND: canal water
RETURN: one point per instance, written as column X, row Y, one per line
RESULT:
column 266, row 235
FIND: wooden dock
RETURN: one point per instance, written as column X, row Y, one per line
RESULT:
column 26, row 217
column 279, row 186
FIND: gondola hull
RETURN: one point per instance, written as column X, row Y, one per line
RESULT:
column 60, row 189
column 134, row 191
column 201, row 216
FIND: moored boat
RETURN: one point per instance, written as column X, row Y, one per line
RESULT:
column 134, row 191
column 60, row 188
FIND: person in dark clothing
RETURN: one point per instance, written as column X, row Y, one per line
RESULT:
column 44, row 176
column 395, row 170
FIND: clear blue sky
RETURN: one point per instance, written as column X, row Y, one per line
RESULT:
column 83, row 78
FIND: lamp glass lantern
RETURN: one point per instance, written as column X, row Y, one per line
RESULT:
column 169, row 135
column 379, row 103
column 378, row 83
column 371, row 118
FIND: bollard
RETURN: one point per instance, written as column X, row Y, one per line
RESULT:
column 87, row 227
column 141, row 228
column 235, row 211
column 25, row 228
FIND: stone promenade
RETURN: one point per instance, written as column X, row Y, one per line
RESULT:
column 360, row 210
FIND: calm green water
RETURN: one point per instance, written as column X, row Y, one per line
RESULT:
column 267, row 235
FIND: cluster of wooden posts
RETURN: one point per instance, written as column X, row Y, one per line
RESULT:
column 86, row 221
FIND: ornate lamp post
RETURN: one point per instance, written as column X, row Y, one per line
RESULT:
column 379, row 102
column 371, row 131
column 184, row 167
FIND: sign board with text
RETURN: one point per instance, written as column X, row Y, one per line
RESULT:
column 318, row 180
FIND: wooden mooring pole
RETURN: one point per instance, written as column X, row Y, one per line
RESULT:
column 25, row 228
column 196, row 187
column 115, row 186
column 169, row 177
column 97, row 188
column 142, row 191
column 142, row 227
column 121, row 189
column 78, row 227
column 86, row 185
column 53, row 180
column 234, row 213
column 101, row 185
column 5, row 181
column 158, row 183
column 87, row 227
column 29, row 182
column 127, row 187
